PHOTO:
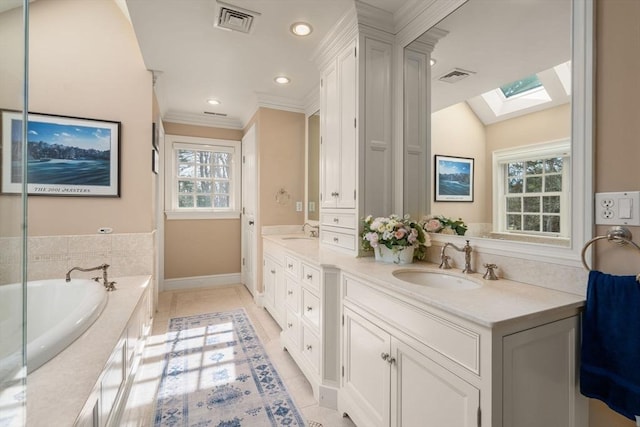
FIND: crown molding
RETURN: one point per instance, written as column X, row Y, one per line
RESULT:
column 201, row 120
column 312, row 101
column 279, row 102
column 341, row 33
column 374, row 17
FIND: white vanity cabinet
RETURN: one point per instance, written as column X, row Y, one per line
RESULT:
column 406, row 363
column 273, row 282
column 355, row 132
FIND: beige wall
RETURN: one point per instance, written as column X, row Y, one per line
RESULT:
column 617, row 131
column 456, row 131
column 85, row 62
column 195, row 248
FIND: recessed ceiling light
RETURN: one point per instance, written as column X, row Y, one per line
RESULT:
column 301, row 29
column 282, row 80
column 213, row 101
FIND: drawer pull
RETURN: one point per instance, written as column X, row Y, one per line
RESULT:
column 290, row 265
column 290, row 325
column 309, row 276
column 309, row 308
column 392, row 361
column 336, row 240
column 336, row 220
column 289, row 292
column 273, row 272
column 385, row 356
column 309, row 347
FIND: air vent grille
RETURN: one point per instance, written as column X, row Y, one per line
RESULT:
column 455, row 75
column 215, row 114
column 235, row 18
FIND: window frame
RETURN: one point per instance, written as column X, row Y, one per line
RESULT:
column 557, row 148
column 173, row 143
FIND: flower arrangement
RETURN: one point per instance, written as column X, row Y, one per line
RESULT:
column 395, row 233
column 444, row 225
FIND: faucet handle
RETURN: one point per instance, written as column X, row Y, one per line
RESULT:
column 444, row 263
column 97, row 279
column 490, row 274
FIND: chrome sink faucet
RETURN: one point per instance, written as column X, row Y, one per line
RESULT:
column 444, row 259
column 315, row 229
column 110, row 286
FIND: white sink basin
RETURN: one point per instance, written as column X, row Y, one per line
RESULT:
column 435, row 279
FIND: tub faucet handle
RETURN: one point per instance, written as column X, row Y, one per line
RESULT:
column 111, row 286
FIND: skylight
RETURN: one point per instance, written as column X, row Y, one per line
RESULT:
column 521, row 86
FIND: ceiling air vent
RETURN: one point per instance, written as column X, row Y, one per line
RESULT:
column 234, row 18
column 216, row 114
column 455, row 75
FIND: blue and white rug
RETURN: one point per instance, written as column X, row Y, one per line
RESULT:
column 217, row 374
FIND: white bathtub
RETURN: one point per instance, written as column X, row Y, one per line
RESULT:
column 58, row 312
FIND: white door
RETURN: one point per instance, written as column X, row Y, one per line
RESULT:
column 424, row 393
column 347, row 70
column 366, row 371
column 330, row 138
column 249, row 203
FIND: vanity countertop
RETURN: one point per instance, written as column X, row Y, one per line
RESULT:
column 492, row 304
column 59, row 389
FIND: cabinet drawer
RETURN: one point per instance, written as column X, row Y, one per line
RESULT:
column 311, row 308
column 311, row 276
column 342, row 240
column 291, row 265
column 453, row 341
column 343, row 220
column 292, row 296
column 311, row 347
column 292, row 328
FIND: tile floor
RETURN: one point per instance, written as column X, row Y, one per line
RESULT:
column 188, row 302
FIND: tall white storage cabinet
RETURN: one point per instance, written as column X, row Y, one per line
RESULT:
column 355, row 130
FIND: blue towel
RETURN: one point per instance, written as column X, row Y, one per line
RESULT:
column 610, row 357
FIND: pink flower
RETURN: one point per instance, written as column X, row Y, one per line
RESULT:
column 433, row 226
column 400, row 233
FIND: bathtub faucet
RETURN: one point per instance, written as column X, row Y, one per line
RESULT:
column 110, row 286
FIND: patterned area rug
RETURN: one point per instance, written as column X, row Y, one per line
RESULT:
column 217, row 374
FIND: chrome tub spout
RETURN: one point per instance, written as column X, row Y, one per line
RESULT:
column 110, row 286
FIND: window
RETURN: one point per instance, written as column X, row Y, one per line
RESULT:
column 532, row 196
column 203, row 178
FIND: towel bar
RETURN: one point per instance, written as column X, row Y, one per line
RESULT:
column 619, row 235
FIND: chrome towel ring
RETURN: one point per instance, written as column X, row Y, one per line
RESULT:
column 617, row 234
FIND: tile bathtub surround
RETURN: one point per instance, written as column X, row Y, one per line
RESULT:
column 49, row 257
column 197, row 301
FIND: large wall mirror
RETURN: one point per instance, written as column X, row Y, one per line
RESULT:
column 505, row 85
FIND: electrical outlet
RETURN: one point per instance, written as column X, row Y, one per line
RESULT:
column 607, row 203
column 298, row 206
column 607, row 214
column 621, row 208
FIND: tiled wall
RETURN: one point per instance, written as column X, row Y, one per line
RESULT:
column 50, row 257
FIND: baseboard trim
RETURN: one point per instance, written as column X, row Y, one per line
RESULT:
column 217, row 280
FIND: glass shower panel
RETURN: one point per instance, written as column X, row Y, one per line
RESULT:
column 12, row 222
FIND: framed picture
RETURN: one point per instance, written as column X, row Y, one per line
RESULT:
column 454, row 179
column 67, row 156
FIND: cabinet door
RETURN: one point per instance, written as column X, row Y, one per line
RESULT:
column 269, row 281
column 366, row 370
column 330, row 137
column 424, row 393
column 347, row 80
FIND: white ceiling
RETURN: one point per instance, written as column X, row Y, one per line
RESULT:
column 196, row 61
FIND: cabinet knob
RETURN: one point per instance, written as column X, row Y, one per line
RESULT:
column 336, row 220
column 309, row 347
column 385, row 356
column 290, row 265
column 309, row 308
column 290, row 325
column 309, row 276
column 336, row 240
column 289, row 292
column 392, row 361
column 273, row 272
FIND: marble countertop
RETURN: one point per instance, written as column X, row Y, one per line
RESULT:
column 494, row 303
column 58, row 390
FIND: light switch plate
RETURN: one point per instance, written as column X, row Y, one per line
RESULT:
column 619, row 208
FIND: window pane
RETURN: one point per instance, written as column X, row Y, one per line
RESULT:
column 204, row 201
column 534, row 167
column 551, row 204
column 520, row 86
column 185, row 201
column 532, row 204
column 553, row 165
column 220, row 201
column 186, row 156
column 553, row 183
column 222, row 187
column 514, row 204
column 514, row 222
column 551, row 223
column 185, row 186
column 204, row 156
column 531, row 223
column 514, row 185
column 534, row 184
column 186, row 170
column 221, row 158
column 204, row 171
column 204, row 186
column 515, row 169
column 221, row 172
